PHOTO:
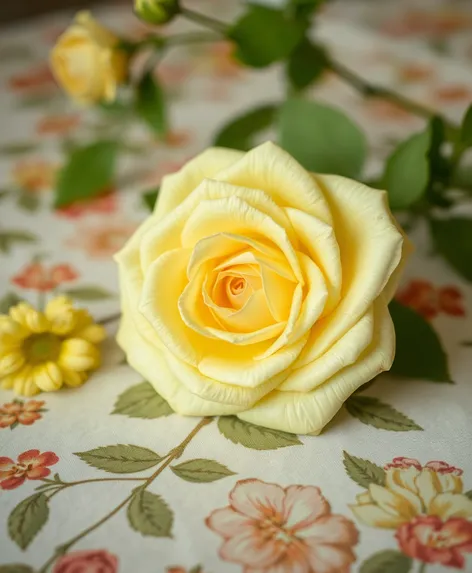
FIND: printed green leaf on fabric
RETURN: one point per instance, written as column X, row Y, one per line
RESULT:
column 7, row 301
column 27, row 519
column 28, row 201
column 120, row 458
column 88, row 293
column 16, row 568
column 363, row 472
column 453, row 240
column 388, row 561
column 240, row 132
column 373, row 412
column 419, row 352
column 466, row 128
column 10, row 238
column 255, row 437
column 265, row 35
column 201, row 471
column 150, row 104
column 323, row 139
column 142, row 401
column 87, row 173
column 149, row 514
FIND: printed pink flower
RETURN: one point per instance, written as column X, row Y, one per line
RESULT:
column 98, row 561
column 18, row 412
column 404, row 463
column 57, row 124
column 443, row 468
column 428, row 300
column 271, row 529
column 35, row 79
column 432, row 540
column 40, row 278
column 106, row 203
column 30, row 465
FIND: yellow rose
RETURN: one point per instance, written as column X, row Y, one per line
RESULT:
column 87, row 62
column 261, row 290
column 412, row 490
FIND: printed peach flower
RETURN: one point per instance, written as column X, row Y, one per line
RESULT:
column 36, row 276
column 103, row 241
column 45, row 350
column 38, row 78
column 412, row 490
column 30, row 465
column 428, row 300
column 92, row 561
column 382, row 109
column 178, row 138
column 431, row 540
column 57, row 124
column 177, row 569
column 452, row 94
column 19, row 412
column 219, row 61
column 271, row 529
column 437, row 23
column 104, row 204
column 415, row 72
column 34, row 175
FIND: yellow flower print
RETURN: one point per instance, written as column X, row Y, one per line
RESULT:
column 412, row 490
column 44, row 351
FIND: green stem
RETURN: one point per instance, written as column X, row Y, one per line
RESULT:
column 172, row 455
column 422, row 567
column 66, row 485
column 191, row 38
column 371, row 90
column 203, row 20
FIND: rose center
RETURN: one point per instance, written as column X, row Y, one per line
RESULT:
column 237, row 285
column 42, row 348
column 439, row 540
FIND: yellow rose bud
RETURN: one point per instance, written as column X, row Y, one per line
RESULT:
column 156, row 11
column 87, row 61
column 261, row 290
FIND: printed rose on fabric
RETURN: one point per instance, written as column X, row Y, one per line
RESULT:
column 107, row 203
column 259, row 289
column 38, row 277
column 34, row 175
column 57, row 124
column 177, row 569
column 104, row 240
column 19, row 412
column 268, row 528
column 30, row 465
column 94, row 561
column 412, row 490
column 37, row 79
column 428, row 300
column 431, row 540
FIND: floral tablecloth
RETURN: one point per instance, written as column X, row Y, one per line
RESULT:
column 105, row 478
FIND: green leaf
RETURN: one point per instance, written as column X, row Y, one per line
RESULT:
column 419, row 352
column 4, row 193
column 373, row 412
column 150, row 198
column 7, row 301
column 265, row 35
column 28, row 201
column 150, row 104
column 453, row 240
column 407, row 171
column 27, row 519
column 150, row 515
column 9, row 238
column 363, row 472
column 466, row 128
column 255, row 437
column 321, row 138
column 388, row 561
column 306, row 64
column 201, row 471
column 17, row 148
column 120, row 459
column 88, row 293
column 239, row 132
column 304, row 8
column 142, row 401
column 88, row 171
column 468, row 494
column 16, row 568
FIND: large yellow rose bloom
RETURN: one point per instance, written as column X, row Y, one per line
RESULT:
column 261, row 290
column 87, row 61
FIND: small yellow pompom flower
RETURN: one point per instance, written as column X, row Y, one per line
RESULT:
column 44, row 351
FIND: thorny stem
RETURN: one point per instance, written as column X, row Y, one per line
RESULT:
column 172, row 455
